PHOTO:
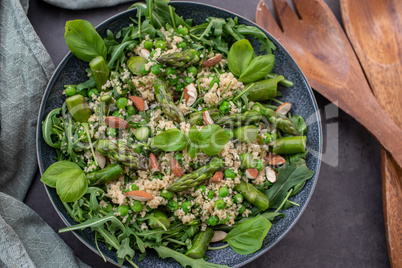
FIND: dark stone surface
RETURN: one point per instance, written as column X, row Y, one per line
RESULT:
column 343, row 223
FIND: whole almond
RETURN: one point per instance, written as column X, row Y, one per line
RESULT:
column 138, row 102
column 212, row 61
column 190, row 94
column 140, row 195
column 251, row 173
column 176, row 168
column 284, row 108
column 268, row 158
column 218, row 236
column 116, row 122
column 277, row 160
column 218, row 176
column 270, row 174
column 153, row 163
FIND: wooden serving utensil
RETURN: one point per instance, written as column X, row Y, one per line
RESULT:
column 322, row 50
column 375, row 30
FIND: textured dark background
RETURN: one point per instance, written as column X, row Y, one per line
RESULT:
column 343, row 224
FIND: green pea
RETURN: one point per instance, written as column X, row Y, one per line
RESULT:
column 223, row 191
column 173, row 81
column 258, row 164
column 160, row 44
column 142, row 133
column 123, row 210
column 224, row 108
column 170, row 71
column 220, row 204
column 93, row 92
column 202, row 187
column 182, row 45
column 229, row 132
column 121, row 103
column 70, row 91
column 186, row 206
column 167, row 194
column 188, row 80
column 179, row 87
column 267, row 138
column 137, row 206
column 238, row 198
column 179, row 157
column 152, row 53
column 210, row 194
column 130, row 110
column 134, row 187
column 229, row 173
column 117, row 114
column 148, row 44
column 111, row 132
column 144, row 71
column 225, row 220
column 182, row 30
column 156, row 69
column 173, row 205
column 212, row 220
column 242, row 209
column 192, row 70
column 109, row 207
column 106, row 98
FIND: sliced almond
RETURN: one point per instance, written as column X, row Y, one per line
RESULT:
column 144, row 53
column 153, row 163
column 251, row 173
column 218, row 176
column 207, row 118
column 146, row 107
column 284, row 108
column 268, row 158
column 116, row 122
column 212, row 61
column 277, row 160
column 218, row 236
column 177, row 170
column 100, row 159
column 190, row 94
column 140, row 195
column 138, row 102
column 270, row 174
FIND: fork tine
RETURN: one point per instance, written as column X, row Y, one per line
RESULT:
column 266, row 20
column 287, row 18
column 310, row 10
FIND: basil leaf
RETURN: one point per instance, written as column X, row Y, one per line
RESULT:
column 288, row 176
column 193, row 150
column 194, row 134
column 172, row 140
column 53, row 172
column 264, row 89
column 83, row 40
column 240, row 55
column 71, row 185
column 258, row 68
column 165, row 252
column 212, row 139
column 247, row 237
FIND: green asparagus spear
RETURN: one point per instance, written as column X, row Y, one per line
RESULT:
column 166, row 101
column 157, row 218
column 134, row 64
column 109, row 173
column 200, row 244
column 78, row 108
column 198, row 176
column 246, row 161
column 180, row 59
column 236, row 120
column 246, row 134
column 121, row 153
column 279, row 120
column 290, row 145
column 252, row 195
column 100, row 71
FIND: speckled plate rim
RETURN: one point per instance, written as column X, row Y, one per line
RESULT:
column 318, row 155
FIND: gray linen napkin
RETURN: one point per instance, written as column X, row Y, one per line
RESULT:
column 25, row 68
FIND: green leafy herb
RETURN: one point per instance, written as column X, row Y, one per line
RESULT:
column 288, row 176
column 247, row 237
column 258, row 68
column 239, row 57
column 71, row 185
column 83, row 40
column 300, row 124
column 193, row 150
column 212, row 139
column 194, row 134
column 53, row 172
column 171, row 140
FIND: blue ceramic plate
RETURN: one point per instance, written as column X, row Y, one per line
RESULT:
column 72, row 71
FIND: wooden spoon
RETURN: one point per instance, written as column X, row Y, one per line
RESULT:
column 375, row 30
column 322, row 50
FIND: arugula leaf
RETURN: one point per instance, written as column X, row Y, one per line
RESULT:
column 288, row 176
column 258, row 68
column 71, row 185
column 124, row 250
column 117, row 52
column 266, row 44
column 53, row 172
column 247, row 237
column 165, row 252
column 83, row 40
column 212, row 139
column 300, row 124
column 240, row 55
column 171, row 140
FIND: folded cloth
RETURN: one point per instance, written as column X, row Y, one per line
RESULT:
column 85, row 4
column 25, row 68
